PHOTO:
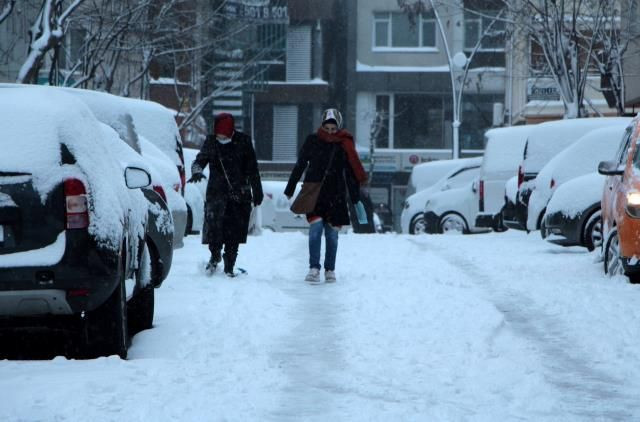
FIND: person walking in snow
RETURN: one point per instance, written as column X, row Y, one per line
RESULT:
column 329, row 153
column 234, row 183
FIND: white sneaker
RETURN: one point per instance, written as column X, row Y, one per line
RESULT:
column 313, row 276
column 330, row 276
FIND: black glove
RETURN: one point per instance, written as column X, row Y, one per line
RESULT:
column 196, row 177
column 257, row 199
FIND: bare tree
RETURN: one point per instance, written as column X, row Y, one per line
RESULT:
column 45, row 34
column 6, row 10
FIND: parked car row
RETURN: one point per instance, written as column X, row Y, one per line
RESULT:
column 90, row 193
column 577, row 181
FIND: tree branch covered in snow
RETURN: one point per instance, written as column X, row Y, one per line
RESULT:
column 6, row 10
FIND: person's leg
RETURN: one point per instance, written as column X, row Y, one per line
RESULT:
column 315, row 240
column 331, row 250
column 230, row 255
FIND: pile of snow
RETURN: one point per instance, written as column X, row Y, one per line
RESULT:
column 576, row 195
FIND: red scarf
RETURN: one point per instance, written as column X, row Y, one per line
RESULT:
column 345, row 139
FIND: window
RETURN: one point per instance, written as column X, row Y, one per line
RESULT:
column 418, row 121
column 478, row 27
column 462, row 177
column 394, row 30
column 621, row 155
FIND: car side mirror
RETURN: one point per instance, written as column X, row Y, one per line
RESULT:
column 445, row 187
column 610, row 168
column 136, row 178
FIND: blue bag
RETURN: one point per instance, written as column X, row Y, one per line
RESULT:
column 361, row 214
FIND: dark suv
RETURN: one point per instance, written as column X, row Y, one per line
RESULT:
column 74, row 223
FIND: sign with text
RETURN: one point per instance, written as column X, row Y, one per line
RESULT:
column 544, row 89
column 263, row 11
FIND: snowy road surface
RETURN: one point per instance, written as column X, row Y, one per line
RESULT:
column 494, row 327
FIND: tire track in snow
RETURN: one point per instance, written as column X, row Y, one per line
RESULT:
column 589, row 392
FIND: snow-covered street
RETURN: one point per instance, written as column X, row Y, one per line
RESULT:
column 491, row 327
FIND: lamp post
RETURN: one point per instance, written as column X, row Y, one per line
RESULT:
column 457, row 62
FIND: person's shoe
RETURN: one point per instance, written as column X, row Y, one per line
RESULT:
column 313, row 276
column 231, row 274
column 211, row 266
column 330, row 276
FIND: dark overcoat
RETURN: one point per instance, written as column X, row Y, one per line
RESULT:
column 314, row 157
column 234, row 181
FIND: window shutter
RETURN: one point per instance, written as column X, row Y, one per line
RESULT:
column 299, row 53
column 285, row 133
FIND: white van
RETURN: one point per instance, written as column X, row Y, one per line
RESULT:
column 502, row 155
column 425, row 175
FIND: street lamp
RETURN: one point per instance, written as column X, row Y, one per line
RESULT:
column 457, row 62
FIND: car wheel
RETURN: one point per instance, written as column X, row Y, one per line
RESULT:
column 592, row 234
column 141, row 306
column 107, row 328
column 453, row 224
column 418, row 225
column 612, row 262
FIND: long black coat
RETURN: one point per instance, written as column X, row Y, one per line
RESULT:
column 226, row 220
column 314, row 156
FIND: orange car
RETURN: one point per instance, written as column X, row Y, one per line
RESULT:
column 621, row 207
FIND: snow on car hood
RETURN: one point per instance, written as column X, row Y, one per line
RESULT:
column 35, row 122
column 577, row 194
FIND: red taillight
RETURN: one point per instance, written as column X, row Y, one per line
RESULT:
column 552, row 184
column 78, row 292
column 520, row 176
column 160, row 191
column 77, row 210
column 481, row 194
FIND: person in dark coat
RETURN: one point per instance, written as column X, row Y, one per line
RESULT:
column 330, row 150
column 234, row 183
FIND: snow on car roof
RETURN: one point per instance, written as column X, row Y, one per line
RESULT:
column 582, row 156
column 426, row 174
column 503, row 151
column 549, row 138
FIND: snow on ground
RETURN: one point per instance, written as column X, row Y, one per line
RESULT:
column 486, row 327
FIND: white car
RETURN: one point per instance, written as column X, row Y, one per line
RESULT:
column 463, row 171
column 453, row 211
column 194, row 195
column 502, row 155
column 425, row 175
column 581, row 157
column 276, row 215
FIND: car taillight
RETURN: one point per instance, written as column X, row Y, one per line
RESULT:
column 552, row 184
column 520, row 176
column 481, row 194
column 77, row 210
column 160, row 191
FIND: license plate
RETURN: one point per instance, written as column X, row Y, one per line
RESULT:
column 1, row 234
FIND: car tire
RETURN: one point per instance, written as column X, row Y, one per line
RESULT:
column 453, row 223
column 418, row 225
column 592, row 233
column 141, row 306
column 106, row 330
column 612, row 262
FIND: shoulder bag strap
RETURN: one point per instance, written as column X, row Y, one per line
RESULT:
column 333, row 152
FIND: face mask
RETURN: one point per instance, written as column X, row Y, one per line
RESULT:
column 223, row 141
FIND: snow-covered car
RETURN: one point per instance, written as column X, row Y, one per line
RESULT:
column 453, row 211
column 194, row 195
column 424, row 175
column 156, row 124
column 573, row 216
column 463, row 170
column 276, row 212
column 543, row 143
column 502, row 155
column 73, row 222
column 579, row 158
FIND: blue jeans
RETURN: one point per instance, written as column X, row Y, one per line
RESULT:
column 315, row 239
